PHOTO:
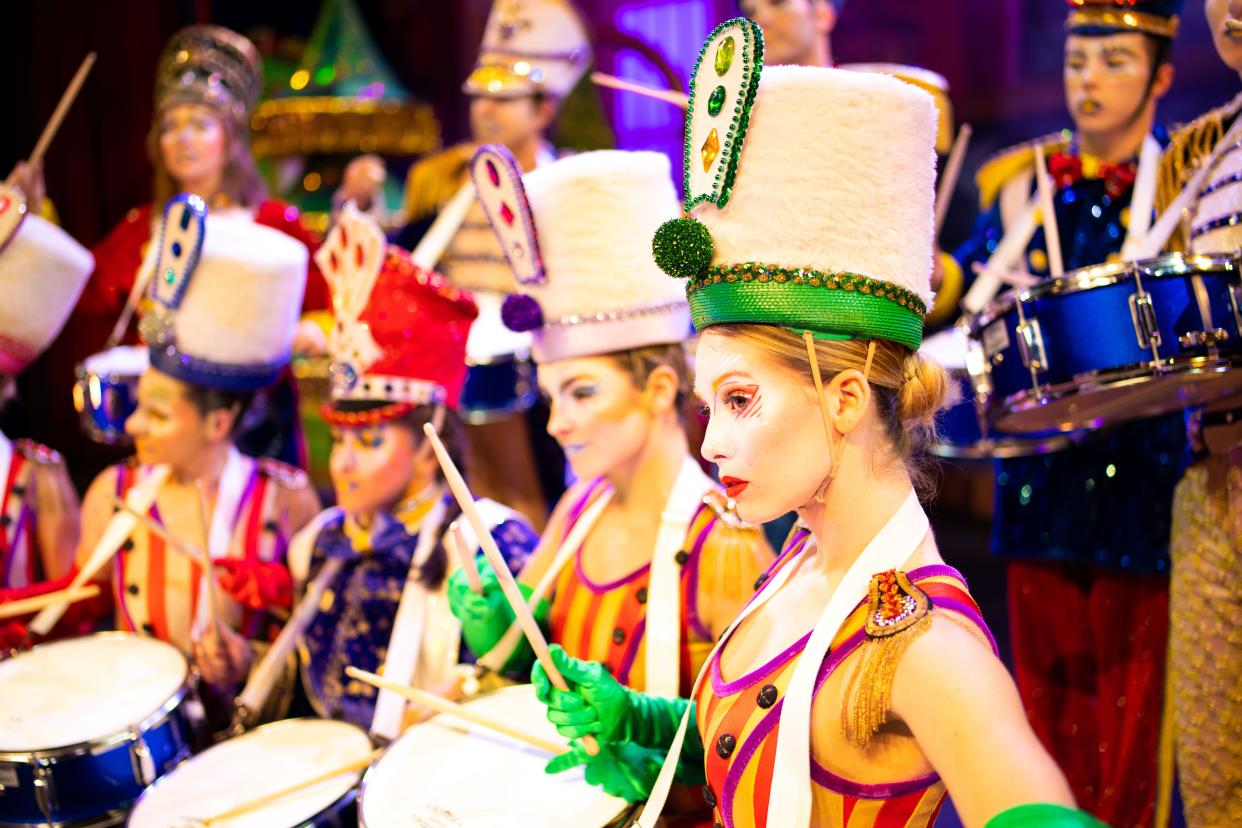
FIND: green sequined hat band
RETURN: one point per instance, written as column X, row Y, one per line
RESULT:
column 834, row 305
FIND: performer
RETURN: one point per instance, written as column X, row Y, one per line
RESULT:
column 219, row 329
column 1087, row 529
column 1205, row 606
column 809, row 280
column 533, row 55
column 208, row 79
column 795, row 32
column 42, row 271
column 398, row 350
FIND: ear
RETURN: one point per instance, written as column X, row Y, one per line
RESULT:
column 220, row 423
column 852, row 395
column 546, row 111
column 661, row 389
column 825, row 17
column 1163, row 81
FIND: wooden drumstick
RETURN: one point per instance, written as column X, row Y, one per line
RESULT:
column 58, row 114
column 267, row 799
column 508, row 584
column 1056, row 265
column 671, row 96
column 948, row 178
column 465, row 557
column 37, row 602
column 461, row 711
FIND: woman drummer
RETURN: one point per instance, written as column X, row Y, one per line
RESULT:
column 218, row 330
column 643, row 563
column 861, row 647
column 398, row 347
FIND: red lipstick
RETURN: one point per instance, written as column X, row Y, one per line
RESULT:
column 734, row 486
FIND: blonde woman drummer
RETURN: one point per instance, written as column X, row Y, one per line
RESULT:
column 221, row 327
column 861, row 681
column 643, row 562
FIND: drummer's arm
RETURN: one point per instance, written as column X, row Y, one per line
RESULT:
column 58, row 513
column 96, row 513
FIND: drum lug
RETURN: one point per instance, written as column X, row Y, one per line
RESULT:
column 1200, row 339
column 1031, row 345
column 140, row 758
column 45, row 790
column 1146, row 329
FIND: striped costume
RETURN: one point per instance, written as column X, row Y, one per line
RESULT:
column 20, row 562
column 157, row 591
column 739, row 722
column 606, row 622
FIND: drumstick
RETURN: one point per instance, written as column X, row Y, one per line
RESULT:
column 214, row 612
column 461, row 711
column 267, row 799
column 1013, row 278
column 37, row 602
column 948, row 178
column 465, row 557
column 667, row 95
column 517, row 603
column 58, row 114
column 1056, row 266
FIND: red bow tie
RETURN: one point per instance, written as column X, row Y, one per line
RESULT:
column 1066, row 170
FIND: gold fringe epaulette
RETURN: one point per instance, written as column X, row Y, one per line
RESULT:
column 435, row 179
column 39, row 453
column 1004, row 165
column 1189, row 145
column 284, row 475
column 897, row 613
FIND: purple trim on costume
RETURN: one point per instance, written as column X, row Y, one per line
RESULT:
column 244, row 499
column 600, row 589
column 880, row 790
column 934, row 571
column 839, row 654
column 209, row 374
column 737, row 767
column 727, row 688
column 692, row 583
column 580, row 506
column 119, row 585
column 631, row 653
column 22, row 519
column 970, row 613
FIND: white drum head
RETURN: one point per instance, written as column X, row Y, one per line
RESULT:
column 263, row 761
column 84, row 689
column 124, row 361
column 449, row 772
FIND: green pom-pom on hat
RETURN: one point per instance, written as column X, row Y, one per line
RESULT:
column 683, row 247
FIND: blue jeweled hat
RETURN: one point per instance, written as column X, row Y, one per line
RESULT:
column 1101, row 17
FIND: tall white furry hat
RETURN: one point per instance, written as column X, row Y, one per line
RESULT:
column 530, row 46
column 812, row 194
column 226, row 296
column 42, row 272
column 575, row 233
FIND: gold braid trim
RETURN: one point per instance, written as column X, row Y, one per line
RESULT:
column 435, row 179
column 1188, row 146
column 897, row 613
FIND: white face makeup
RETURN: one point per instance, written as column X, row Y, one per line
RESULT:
column 1105, row 80
column 371, row 466
column 764, row 432
column 597, row 414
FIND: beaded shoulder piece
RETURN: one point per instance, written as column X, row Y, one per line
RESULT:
column 1188, row 145
column 39, row 453
column 283, row 475
column 897, row 613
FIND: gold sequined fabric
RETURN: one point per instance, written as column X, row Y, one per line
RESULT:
column 1205, row 646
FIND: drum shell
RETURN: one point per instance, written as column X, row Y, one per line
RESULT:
column 1090, row 337
column 497, row 388
column 104, row 399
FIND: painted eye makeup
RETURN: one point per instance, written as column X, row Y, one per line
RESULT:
column 584, row 392
column 741, row 401
column 370, row 439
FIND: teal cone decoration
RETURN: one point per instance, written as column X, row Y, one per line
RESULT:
column 682, row 247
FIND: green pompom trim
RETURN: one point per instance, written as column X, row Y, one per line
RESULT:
column 683, row 248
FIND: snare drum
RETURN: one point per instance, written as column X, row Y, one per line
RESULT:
column 500, row 377
column 106, row 392
column 962, row 429
column 86, row 724
column 450, row 772
column 1112, row 343
column 264, row 761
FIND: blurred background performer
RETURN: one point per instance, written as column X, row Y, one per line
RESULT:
column 42, row 271
column 533, row 55
column 1205, row 604
column 398, row 349
column 207, row 81
column 1087, row 529
column 218, row 332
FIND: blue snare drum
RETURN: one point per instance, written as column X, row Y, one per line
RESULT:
column 962, row 428
column 106, row 392
column 87, row 724
column 500, row 379
column 1111, row 343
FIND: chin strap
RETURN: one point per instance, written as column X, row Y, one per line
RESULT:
column 835, row 447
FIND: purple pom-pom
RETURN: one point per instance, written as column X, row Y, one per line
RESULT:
column 521, row 313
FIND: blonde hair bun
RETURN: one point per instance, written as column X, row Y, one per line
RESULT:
column 923, row 390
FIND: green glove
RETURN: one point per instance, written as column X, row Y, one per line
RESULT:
column 1043, row 816
column 486, row 616
column 625, row 770
column 596, row 704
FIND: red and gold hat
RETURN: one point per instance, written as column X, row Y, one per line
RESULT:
column 399, row 337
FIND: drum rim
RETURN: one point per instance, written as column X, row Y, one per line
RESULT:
column 1024, row 400
column 86, row 419
column 1006, row 448
column 341, row 801
column 145, row 726
column 1102, row 275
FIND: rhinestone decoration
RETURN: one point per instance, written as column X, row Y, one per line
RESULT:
column 716, row 101
column 724, row 55
column 682, row 247
column 507, row 214
column 493, row 174
column 521, row 313
column 710, row 149
column 765, row 273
